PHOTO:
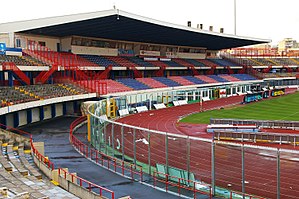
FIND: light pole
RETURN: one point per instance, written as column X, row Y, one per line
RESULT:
column 235, row 17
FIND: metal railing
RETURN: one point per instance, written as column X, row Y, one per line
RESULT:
column 132, row 171
column 85, row 183
column 181, row 184
column 119, row 140
column 274, row 138
column 259, row 123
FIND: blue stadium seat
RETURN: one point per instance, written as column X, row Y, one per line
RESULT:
column 194, row 80
column 244, row 77
column 167, row 81
column 133, row 84
column 222, row 62
column 139, row 61
column 217, row 78
column 172, row 63
column 101, row 61
column 194, row 62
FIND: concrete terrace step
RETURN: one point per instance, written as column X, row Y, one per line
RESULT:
column 33, row 171
column 3, row 161
column 15, row 186
column 15, row 161
column 34, row 188
column 19, row 176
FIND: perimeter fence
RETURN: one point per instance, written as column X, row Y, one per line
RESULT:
column 216, row 167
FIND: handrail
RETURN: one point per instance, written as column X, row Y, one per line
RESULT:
column 74, row 179
column 13, row 67
column 105, row 160
column 181, row 184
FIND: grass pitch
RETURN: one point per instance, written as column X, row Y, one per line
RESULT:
column 278, row 108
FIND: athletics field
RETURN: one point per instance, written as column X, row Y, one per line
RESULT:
column 277, row 108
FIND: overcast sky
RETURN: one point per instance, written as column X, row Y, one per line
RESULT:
column 266, row 19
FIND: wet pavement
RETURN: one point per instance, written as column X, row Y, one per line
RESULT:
column 55, row 134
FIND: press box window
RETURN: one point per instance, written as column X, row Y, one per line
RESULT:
column 18, row 43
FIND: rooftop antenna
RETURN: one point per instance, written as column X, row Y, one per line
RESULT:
column 117, row 14
column 114, row 7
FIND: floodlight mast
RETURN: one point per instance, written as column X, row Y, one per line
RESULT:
column 235, row 17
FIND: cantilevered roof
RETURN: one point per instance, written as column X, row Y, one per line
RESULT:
column 119, row 25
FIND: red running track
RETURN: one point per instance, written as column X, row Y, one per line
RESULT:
column 260, row 165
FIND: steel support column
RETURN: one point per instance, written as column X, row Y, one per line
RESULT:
column 112, row 138
column 188, row 157
column 105, row 137
column 278, row 174
column 149, row 153
column 122, row 143
column 213, row 167
column 166, row 153
column 243, row 170
column 134, row 147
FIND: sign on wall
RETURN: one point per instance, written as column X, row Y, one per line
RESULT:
column 149, row 53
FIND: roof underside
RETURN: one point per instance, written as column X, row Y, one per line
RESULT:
column 119, row 27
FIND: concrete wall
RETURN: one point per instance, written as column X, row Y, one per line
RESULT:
column 66, row 44
column 22, row 117
column 40, row 146
column 59, row 109
column 43, row 167
column 76, row 189
column 136, row 49
column 9, row 120
column 35, row 115
column 47, row 112
column 69, row 108
column 94, row 51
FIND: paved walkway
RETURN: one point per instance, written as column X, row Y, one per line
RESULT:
column 55, row 134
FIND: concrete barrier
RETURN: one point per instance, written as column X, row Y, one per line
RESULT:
column 40, row 147
column 76, row 189
column 43, row 167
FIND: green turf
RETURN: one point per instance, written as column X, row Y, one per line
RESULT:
column 279, row 108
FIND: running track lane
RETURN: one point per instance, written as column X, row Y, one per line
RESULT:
column 260, row 167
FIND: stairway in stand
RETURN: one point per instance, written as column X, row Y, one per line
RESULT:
column 67, row 62
column 11, row 66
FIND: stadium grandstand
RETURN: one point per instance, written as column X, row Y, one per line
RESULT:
column 50, row 67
